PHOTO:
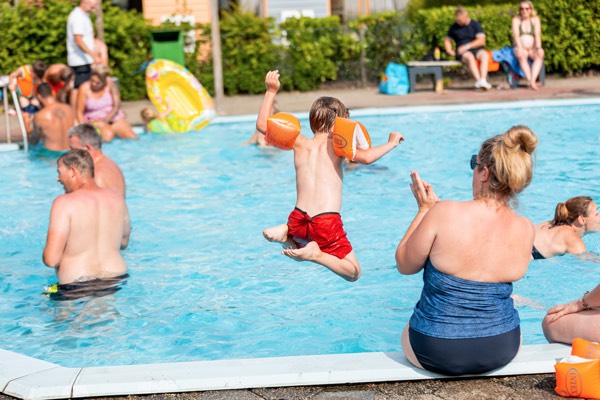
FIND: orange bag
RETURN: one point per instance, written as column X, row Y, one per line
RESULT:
column 493, row 66
column 349, row 135
column 282, row 130
column 578, row 377
column 585, row 349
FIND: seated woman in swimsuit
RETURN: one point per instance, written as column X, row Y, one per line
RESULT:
column 99, row 103
column 578, row 319
column 465, row 321
column 573, row 219
column 527, row 37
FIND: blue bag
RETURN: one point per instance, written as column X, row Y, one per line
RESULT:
column 395, row 80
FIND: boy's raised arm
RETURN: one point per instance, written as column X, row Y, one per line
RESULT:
column 266, row 108
column 375, row 153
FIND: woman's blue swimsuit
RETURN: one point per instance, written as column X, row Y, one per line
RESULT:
column 463, row 327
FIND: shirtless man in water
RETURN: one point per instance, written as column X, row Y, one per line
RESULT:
column 107, row 175
column 88, row 225
column 314, row 231
column 52, row 123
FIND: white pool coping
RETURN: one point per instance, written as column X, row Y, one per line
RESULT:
column 367, row 112
column 29, row 378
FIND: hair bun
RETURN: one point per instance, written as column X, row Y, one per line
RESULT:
column 520, row 137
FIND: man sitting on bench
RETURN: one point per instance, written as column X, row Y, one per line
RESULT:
column 470, row 40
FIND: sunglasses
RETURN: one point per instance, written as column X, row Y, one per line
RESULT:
column 474, row 162
column 524, row 8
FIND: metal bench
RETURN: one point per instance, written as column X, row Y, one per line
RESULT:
column 435, row 68
column 428, row 67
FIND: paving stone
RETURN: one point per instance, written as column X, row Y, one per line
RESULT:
column 289, row 393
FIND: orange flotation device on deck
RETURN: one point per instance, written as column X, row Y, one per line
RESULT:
column 282, row 130
column 585, row 349
column 349, row 135
column 578, row 377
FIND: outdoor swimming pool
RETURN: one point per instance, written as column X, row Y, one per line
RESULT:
column 205, row 285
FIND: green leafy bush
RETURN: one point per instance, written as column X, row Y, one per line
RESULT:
column 248, row 52
column 570, row 34
column 315, row 51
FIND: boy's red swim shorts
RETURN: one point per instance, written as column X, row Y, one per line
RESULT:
column 326, row 229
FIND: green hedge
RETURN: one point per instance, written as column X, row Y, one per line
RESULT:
column 307, row 51
column 29, row 34
column 315, row 51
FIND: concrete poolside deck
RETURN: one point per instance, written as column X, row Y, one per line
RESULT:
column 526, row 387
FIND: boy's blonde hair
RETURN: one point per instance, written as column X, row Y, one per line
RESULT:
column 323, row 113
column 148, row 114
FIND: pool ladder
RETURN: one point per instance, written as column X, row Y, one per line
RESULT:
column 4, row 85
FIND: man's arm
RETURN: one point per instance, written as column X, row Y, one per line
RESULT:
column 81, row 44
column 36, row 133
column 448, row 46
column 266, row 108
column 375, row 153
column 58, row 233
column 126, row 230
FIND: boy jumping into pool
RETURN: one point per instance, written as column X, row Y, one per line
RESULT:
column 314, row 231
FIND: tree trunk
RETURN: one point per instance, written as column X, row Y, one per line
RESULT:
column 99, row 22
column 216, row 50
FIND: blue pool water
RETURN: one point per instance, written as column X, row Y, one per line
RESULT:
column 204, row 283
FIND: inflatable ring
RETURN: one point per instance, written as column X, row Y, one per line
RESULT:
column 192, row 107
column 282, row 130
column 349, row 135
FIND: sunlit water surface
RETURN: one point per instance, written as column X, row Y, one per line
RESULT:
column 205, row 285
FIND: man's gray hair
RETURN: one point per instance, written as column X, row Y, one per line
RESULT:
column 87, row 134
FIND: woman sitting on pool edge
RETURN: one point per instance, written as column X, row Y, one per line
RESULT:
column 99, row 103
column 578, row 319
column 573, row 219
column 471, row 252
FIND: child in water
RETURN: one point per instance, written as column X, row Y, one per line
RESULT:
column 156, row 122
column 314, row 231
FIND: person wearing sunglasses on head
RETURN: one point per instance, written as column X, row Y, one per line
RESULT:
column 527, row 37
column 470, row 252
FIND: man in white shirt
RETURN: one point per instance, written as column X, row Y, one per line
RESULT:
column 80, row 41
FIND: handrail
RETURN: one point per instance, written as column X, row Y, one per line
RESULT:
column 21, row 122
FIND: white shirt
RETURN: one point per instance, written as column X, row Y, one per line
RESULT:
column 79, row 23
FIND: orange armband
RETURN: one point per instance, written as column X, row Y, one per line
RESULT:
column 578, row 377
column 282, row 130
column 585, row 349
column 349, row 135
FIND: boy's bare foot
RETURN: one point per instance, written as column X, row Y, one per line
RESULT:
column 277, row 233
column 307, row 253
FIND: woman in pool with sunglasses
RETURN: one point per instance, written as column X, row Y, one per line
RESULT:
column 465, row 321
column 527, row 37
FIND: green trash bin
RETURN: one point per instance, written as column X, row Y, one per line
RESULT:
column 168, row 45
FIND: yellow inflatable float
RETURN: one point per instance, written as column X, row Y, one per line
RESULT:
column 191, row 105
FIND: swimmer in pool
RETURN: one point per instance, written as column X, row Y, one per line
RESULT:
column 314, row 231
column 573, row 219
column 88, row 225
column 107, row 173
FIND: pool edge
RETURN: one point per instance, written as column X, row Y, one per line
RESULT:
column 377, row 111
column 37, row 379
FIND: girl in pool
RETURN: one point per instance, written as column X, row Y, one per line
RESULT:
column 573, row 219
column 527, row 37
column 465, row 321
